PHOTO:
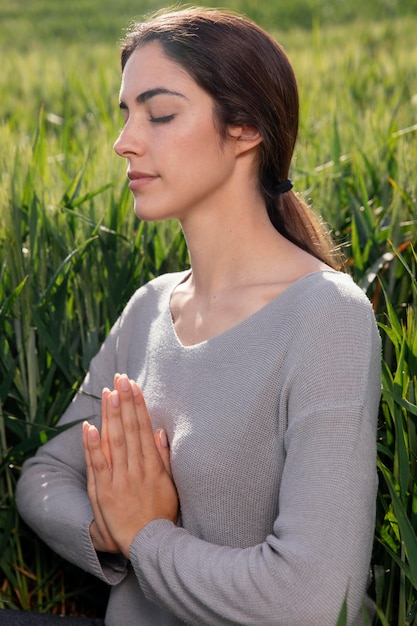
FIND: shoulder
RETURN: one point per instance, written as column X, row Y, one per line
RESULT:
column 333, row 284
column 334, row 344
column 146, row 303
column 156, row 290
column 328, row 308
column 131, row 329
column 331, row 294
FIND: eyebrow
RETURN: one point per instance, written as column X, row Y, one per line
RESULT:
column 151, row 93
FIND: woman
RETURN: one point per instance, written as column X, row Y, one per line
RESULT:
column 257, row 369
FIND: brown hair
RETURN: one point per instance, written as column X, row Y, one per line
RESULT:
column 251, row 82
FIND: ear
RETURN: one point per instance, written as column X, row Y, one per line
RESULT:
column 246, row 137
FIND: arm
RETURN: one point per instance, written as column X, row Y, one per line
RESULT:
column 51, row 493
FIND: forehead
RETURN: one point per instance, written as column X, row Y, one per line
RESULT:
column 148, row 67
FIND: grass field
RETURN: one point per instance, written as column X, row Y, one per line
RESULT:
column 72, row 252
column 29, row 22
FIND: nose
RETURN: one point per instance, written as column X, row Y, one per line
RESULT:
column 117, row 146
column 129, row 141
column 123, row 144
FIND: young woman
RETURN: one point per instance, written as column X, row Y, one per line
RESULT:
column 228, row 476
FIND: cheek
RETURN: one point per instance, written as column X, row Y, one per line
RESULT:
column 200, row 137
column 203, row 148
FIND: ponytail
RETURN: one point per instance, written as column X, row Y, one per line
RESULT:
column 295, row 220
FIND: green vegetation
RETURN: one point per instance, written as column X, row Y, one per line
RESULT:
column 72, row 252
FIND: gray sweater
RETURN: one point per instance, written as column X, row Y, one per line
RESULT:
column 272, row 429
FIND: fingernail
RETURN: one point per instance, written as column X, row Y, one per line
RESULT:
column 124, row 382
column 114, row 398
column 163, row 438
column 92, row 433
column 135, row 387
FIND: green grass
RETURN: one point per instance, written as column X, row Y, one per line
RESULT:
column 25, row 23
column 72, row 252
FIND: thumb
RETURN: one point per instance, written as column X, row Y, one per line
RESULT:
column 161, row 442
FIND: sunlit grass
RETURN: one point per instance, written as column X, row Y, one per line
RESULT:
column 72, row 252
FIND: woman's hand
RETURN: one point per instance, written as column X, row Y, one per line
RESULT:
column 102, row 540
column 129, row 477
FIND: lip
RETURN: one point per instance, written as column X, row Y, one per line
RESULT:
column 139, row 179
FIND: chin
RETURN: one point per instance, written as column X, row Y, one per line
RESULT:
column 150, row 216
column 144, row 214
column 144, row 217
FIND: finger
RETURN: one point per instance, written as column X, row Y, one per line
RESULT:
column 88, row 461
column 91, row 483
column 104, row 424
column 129, row 419
column 86, row 451
column 102, row 540
column 116, row 440
column 149, row 449
column 84, row 436
column 100, row 481
column 161, row 443
column 98, row 461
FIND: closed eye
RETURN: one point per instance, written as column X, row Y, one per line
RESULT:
column 161, row 120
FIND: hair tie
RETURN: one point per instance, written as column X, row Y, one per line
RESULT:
column 283, row 187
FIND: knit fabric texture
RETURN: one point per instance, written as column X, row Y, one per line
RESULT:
column 272, row 432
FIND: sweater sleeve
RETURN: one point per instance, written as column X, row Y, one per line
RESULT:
column 51, row 493
column 319, row 548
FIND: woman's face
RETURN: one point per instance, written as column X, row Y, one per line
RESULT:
column 176, row 160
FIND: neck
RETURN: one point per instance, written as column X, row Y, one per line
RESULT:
column 231, row 248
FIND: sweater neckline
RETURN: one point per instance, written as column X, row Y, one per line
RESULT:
column 247, row 320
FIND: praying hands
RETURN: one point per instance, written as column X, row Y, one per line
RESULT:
column 129, row 478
